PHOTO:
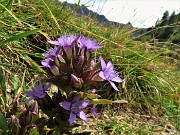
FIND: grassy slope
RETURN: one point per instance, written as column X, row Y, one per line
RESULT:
column 150, row 77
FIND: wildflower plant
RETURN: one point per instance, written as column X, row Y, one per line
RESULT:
column 71, row 69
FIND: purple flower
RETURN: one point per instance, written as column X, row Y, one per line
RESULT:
column 108, row 73
column 37, row 92
column 53, row 52
column 93, row 91
column 93, row 108
column 76, row 107
column 50, row 63
column 75, row 81
column 87, row 43
column 67, row 42
column 93, row 111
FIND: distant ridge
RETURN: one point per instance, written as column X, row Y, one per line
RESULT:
column 83, row 10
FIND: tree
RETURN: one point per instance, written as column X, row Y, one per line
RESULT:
column 165, row 18
column 172, row 18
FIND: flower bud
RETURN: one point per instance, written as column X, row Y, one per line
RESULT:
column 50, row 63
column 76, row 82
column 34, row 108
column 29, row 115
column 55, row 70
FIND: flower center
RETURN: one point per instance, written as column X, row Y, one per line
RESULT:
column 76, row 108
column 110, row 74
column 38, row 93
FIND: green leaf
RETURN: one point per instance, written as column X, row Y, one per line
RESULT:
column 3, row 85
column 92, row 96
column 3, row 125
column 19, row 36
column 15, row 84
column 34, row 131
column 106, row 101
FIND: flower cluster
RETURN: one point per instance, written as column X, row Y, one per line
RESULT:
column 71, row 68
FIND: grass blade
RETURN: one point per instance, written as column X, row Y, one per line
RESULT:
column 19, row 36
column 15, row 84
column 9, row 3
column 3, row 85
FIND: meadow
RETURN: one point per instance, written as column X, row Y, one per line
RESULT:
column 151, row 77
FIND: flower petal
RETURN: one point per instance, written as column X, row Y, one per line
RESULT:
column 45, row 64
column 39, row 87
column 72, row 117
column 76, row 38
column 47, row 86
column 29, row 93
column 85, row 103
column 28, row 100
column 114, row 86
column 117, row 79
column 54, row 42
column 75, row 79
column 110, row 65
column 42, row 95
column 65, row 105
column 82, row 115
column 93, row 111
column 58, row 50
column 93, row 91
column 45, row 54
column 101, row 74
column 103, row 64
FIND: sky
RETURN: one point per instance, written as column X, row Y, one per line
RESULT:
column 141, row 13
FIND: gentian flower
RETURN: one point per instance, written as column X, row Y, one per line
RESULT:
column 87, row 43
column 93, row 108
column 50, row 63
column 108, row 73
column 93, row 111
column 76, row 107
column 53, row 52
column 37, row 92
column 67, row 42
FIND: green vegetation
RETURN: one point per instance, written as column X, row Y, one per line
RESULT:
column 165, row 33
column 151, row 78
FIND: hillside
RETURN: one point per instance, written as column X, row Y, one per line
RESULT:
column 150, row 77
column 165, row 34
